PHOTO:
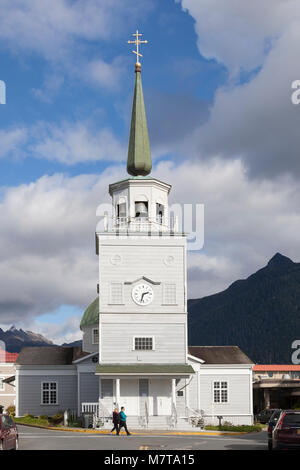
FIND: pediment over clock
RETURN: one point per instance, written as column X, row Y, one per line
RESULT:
column 142, row 278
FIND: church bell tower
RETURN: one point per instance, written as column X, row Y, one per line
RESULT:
column 142, row 285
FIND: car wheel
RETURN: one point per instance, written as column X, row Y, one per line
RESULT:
column 16, row 444
column 270, row 445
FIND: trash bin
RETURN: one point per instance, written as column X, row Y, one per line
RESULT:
column 87, row 419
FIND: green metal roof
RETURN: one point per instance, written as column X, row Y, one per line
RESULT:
column 91, row 315
column 170, row 369
column 139, row 155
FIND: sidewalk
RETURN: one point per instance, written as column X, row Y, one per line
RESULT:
column 139, row 432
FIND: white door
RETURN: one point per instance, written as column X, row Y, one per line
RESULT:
column 160, row 393
column 106, row 387
column 129, row 393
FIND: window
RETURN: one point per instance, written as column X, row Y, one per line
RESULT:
column 144, row 343
column 180, row 393
column 116, row 293
column 121, row 210
column 1, row 383
column 159, row 213
column 95, row 336
column 220, row 392
column 106, row 388
column 49, row 393
column 169, row 294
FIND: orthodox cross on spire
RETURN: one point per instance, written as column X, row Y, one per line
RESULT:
column 137, row 42
column 139, row 155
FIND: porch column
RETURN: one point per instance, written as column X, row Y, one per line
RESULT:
column 174, row 392
column 118, row 392
column 267, row 397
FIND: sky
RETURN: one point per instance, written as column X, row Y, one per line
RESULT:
column 217, row 79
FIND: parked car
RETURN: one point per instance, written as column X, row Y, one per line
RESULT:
column 286, row 434
column 9, row 438
column 265, row 415
column 271, row 425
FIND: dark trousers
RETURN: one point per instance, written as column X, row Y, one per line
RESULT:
column 116, row 427
column 123, row 425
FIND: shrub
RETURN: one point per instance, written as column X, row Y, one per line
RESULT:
column 27, row 415
column 43, row 417
column 241, row 428
column 56, row 419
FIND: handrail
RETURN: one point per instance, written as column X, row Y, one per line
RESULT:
column 174, row 415
column 146, row 413
column 198, row 418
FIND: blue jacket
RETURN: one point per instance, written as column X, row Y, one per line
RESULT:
column 122, row 416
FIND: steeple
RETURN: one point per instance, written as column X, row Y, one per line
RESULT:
column 139, row 156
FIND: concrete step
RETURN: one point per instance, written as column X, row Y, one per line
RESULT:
column 156, row 423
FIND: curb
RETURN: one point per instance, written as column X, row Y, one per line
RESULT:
column 148, row 434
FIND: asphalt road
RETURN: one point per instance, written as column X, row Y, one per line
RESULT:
column 43, row 439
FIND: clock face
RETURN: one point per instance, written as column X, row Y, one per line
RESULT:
column 142, row 294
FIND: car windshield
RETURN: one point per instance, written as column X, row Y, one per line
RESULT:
column 292, row 419
column 275, row 415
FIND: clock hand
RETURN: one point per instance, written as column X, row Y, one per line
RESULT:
column 144, row 293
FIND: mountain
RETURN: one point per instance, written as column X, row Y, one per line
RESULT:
column 15, row 339
column 260, row 314
column 74, row 344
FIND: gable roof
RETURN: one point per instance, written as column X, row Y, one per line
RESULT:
column 6, row 356
column 49, row 355
column 220, row 354
column 276, row 367
column 91, row 315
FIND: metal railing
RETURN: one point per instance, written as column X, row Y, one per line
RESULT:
column 146, row 413
column 196, row 418
column 90, row 408
column 173, row 421
column 140, row 224
column 100, row 413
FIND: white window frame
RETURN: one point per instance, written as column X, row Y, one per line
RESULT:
column 2, row 385
column 93, row 338
column 42, row 389
column 220, row 389
column 143, row 336
column 164, row 295
column 122, row 294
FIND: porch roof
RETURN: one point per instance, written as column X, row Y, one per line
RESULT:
column 144, row 369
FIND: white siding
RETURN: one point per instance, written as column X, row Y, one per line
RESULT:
column 117, row 338
column 147, row 258
column 30, row 394
column 87, row 339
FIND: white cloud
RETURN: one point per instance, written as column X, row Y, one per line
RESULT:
column 67, row 143
column 246, row 221
column 47, row 252
column 12, row 141
column 104, row 74
column 65, row 332
column 255, row 121
column 73, row 143
column 50, row 27
column 239, row 33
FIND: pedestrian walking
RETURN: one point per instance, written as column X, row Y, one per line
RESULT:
column 123, row 419
column 116, row 421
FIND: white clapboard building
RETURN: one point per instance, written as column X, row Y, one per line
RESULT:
column 135, row 343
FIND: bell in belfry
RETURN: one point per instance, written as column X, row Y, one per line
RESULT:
column 141, row 210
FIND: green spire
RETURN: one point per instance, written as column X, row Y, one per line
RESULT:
column 139, row 156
